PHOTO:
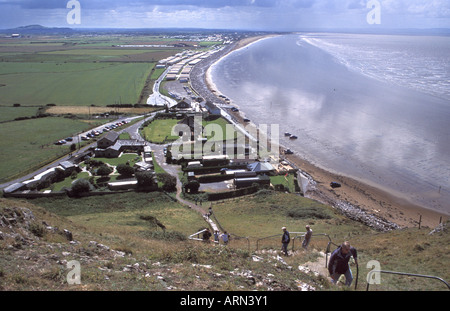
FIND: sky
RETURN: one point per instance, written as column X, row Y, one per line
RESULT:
column 266, row 15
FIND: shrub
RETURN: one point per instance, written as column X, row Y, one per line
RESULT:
column 145, row 179
column 169, row 182
column 37, row 229
column 192, row 186
column 104, row 170
column 80, row 186
column 125, row 170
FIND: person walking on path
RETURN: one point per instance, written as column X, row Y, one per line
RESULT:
column 338, row 263
column 216, row 236
column 307, row 239
column 285, row 239
column 225, row 238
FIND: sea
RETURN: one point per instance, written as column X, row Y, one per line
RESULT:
column 375, row 108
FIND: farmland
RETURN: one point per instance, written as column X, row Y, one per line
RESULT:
column 96, row 84
column 77, row 77
column 28, row 144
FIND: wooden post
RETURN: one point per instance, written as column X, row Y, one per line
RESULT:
column 420, row 220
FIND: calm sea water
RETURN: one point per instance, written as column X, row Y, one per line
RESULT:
column 372, row 107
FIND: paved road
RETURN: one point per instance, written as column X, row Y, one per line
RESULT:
column 157, row 99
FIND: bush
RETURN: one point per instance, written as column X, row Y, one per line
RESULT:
column 37, row 229
column 104, row 170
column 192, row 186
column 169, row 182
column 125, row 170
column 81, row 186
column 145, row 179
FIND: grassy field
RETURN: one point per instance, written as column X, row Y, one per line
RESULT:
column 222, row 123
column 29, row 144
column 159, row 130
column 11, row 113
column 97, row 84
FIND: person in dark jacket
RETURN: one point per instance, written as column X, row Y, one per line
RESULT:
column 338, row 263
column 285, row 239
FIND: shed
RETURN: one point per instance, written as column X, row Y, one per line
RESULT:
column 261, row 167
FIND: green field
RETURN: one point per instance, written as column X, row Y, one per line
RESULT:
column 29, row 144
column 11, row 113
column 160, row 130
column 72, row 84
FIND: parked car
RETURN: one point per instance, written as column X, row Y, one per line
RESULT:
column 69, row 139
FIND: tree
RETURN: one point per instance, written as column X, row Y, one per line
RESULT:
column 125, row 170
column 192, row 186
column 169, row 182
column 104, row 170
column 81, row 186
column 146, row 180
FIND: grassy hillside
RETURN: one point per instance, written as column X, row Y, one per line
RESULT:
column 119, row 247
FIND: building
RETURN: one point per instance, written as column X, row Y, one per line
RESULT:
column 122, row 185
column 143, row 166
column 249, row 181
column 14, row 187
column 184, row 104
column 211, row 108
column 108, row 140
column 120, row 146
column 261, row 167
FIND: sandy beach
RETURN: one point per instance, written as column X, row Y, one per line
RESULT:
column 372, row 200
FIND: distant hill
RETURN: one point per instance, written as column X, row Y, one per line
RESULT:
column 38, row 30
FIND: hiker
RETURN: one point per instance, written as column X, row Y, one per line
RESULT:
column 285, row 239
column 225, row 238
column 307, row 239
column 216, row 236
column 338, row 263
column 206, row 235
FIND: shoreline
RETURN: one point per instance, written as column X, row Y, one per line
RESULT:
column 373, row 203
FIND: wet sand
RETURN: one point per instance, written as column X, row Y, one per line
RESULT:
column 371, row 199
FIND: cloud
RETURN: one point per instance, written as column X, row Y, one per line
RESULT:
column 287, row 15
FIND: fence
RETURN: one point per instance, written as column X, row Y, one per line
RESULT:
column 370, row 274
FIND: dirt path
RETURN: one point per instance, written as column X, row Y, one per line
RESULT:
column 174, row 170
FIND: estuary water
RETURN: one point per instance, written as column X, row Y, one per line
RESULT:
column 372, row 107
